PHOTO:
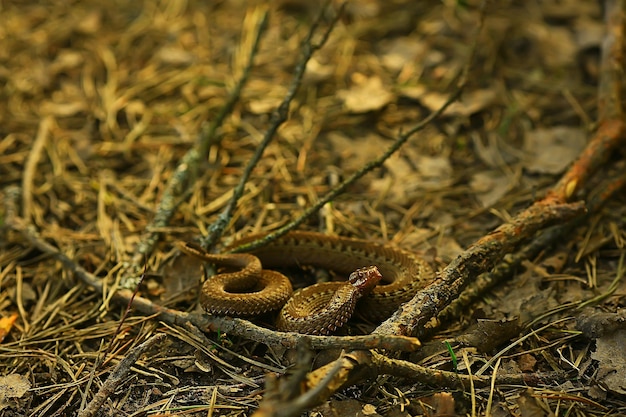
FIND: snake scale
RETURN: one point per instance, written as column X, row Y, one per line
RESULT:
column 322, row 308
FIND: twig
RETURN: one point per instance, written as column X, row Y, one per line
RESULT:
column 281, row 406
column 278, row 118
column 411, row 318
column 370, row 166
column 612, row 127
column 341, row 187
column 125, row 314
column 369, row 364
column 426, row 376
column 185, row 173
column 120, row 371
column 281, row 392
column 259, row 19
column 244, row 328
column 512, row 261
column 233, row 326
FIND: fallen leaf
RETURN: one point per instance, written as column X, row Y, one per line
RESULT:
column 526, row 298
column 550, row 151
column 448, row 248
column 528, row 405
column 442, row 404
column 317, row 72
column 470, row 103
column 12, row 386
column 179, row 276
column 527, row 362
column 596, row 325
column 6, row 324
column 434, row 167
column 422, row 173
column 487, row 335
column 556, row 44
column 490, row 186
column 494, row 150
column 356, row 151
column 611, row 358
column 400, row 52
column 367, row 95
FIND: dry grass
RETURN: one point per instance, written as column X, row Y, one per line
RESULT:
column 101, row 102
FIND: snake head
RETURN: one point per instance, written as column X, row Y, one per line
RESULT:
column 365, row 279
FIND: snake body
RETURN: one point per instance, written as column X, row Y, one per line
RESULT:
column 320, row 308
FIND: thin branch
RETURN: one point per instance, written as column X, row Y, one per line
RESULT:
column 341, row 187
column 282, row 395
column 370, row 166
column 180, row 182
column 278, row 118
column 434, row 377
column 511, row 262
column 483, row 255
column 119, row 373
column 232, row 326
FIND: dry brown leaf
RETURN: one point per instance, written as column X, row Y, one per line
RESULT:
column 550, row 151
column 556, row 45
column 366, row 95
column 528, row 405
column 422, row 173
column 12, row 387
column 401, row 52
column 494, row 150
column 611, row 357
column 448, row 248
column 317, row 72
column 356, row 152
column 528, row 299
column 470, row 103
column 442, row 404
column 490, row 186
column 527, row 362
column 487, row 335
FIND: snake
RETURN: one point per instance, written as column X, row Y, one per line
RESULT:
column 381, row 278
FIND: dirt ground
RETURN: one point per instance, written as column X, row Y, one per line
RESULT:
column 123, row 131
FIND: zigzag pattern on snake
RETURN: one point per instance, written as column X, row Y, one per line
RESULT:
column 321, row 308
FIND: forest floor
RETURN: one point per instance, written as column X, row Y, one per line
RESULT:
column 102, row 102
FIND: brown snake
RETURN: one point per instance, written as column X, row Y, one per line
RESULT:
column 321, row 308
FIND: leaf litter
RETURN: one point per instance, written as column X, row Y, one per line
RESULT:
column 127, row 88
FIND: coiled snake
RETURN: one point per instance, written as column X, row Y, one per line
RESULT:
column 321, row 308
